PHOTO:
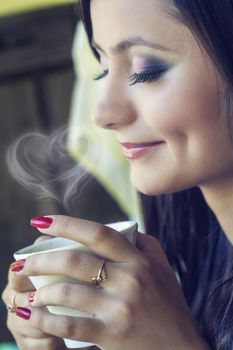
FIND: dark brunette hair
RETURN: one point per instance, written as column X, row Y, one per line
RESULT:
column 182, row 221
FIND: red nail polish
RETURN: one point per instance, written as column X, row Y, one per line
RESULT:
column 23, row 312
column 31, row 297
column 41, row 222
column 17, row 266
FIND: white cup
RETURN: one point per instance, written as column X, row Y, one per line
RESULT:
column 126, row 228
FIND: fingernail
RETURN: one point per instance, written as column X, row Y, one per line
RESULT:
column 31, row 297
column 17, row 266
column 41, row 222
column 23, row 312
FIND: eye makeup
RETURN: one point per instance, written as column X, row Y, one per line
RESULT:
column 147, row 70
column 104, row 64
column 100, row 76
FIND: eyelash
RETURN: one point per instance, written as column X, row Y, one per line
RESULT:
column 137, row 78
column 146, row 77
column 101, row 75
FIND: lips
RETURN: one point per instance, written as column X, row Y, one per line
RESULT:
column 138, row 150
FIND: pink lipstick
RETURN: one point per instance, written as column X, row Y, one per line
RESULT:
column 138, row 150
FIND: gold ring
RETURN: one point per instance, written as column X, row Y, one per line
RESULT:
column 12, row 307
column 101, row 276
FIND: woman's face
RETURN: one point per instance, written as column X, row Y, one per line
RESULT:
column 162, row 95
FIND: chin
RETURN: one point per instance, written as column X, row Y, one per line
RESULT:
column 157, row 188
column 150, row 190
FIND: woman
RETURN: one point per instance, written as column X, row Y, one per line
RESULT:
column 167, row 83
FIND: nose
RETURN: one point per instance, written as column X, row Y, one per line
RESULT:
column 114, row 110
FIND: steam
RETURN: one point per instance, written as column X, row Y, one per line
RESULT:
column 42, row 164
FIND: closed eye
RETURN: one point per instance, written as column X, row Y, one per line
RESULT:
column 137, row 78
column 101, row 75
column 146, row 77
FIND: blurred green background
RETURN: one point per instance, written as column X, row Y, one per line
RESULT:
column 11, row 7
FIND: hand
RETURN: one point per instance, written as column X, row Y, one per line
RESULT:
column 140, row 305
column 27, row 336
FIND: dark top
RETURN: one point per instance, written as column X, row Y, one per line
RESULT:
column 208, row 287
column 201, row 255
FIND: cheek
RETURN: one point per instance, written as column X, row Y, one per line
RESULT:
column 187, row 115
column 182, row 112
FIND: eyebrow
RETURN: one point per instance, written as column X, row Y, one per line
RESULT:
column 132, row 42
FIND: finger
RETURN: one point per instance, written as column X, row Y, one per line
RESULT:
column 151, row 248
column 75, row 296
column 71, row 263
column 14, row 323
column 19, row 282
column 48, row 343
column 78, row 328
column 18, row 328
column 12, row 297
column 101, row 239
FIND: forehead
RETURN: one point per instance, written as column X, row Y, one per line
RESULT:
column 116, row 20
